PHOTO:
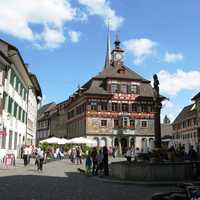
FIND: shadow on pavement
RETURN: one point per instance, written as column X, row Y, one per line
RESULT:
column 74, row 186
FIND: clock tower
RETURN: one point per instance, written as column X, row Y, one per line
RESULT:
column 117, row 52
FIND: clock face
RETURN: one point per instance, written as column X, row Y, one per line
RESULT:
column 118, row 56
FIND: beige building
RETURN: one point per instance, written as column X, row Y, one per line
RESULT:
column 19, row 96
column 186, row 125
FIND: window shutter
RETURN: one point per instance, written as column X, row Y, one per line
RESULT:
column 20, row 110
column 118, row 88
column 129, row 89
column 15, row 109
column 10, row 105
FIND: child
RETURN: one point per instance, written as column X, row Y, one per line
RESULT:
column 88, row 165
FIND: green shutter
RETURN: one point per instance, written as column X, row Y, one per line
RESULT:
column 23, row 116
column 129, row 89
column 118, row 88
column 10, row 105
column 12, row 76
column 19, row 115
column 25, row 93
column 15, row 109
column 17, row 84
column 21, row 90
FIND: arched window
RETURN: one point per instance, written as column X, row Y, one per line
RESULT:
column 97, row 141
column 116, row 142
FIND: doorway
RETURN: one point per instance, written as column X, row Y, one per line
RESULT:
column 124, row 145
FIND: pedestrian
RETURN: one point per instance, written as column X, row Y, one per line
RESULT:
column 192, row 153
column 113, row 152
column 128, row 155
column 136, row 153
column 37, row 159
column 73, row 155
column 58, row 153
column 105, row 161
column 99, row 163
column 88, row 164
column 78, row 156
column 25, row 155
column 94, row 161
column 40, row 159
column 29, row 154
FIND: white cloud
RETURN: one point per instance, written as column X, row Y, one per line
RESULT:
column 50, row 38
column 103, row 9
column 18, row 17
column 173, row 83
column 167, row 104
column 140, row 48
column 74, row 36
column 173, row 57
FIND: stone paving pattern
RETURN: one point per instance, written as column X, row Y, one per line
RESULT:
column 61, row 180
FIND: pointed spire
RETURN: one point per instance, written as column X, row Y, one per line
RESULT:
column 108, row 51
column 117, row 41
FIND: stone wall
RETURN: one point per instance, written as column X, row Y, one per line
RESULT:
column 153, row 171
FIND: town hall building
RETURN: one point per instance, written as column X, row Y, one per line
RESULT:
column 115, row 107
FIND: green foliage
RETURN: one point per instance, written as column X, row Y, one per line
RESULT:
column 86, row 148
column 44, row 146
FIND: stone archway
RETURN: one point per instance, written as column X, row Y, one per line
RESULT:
column 97, row 141
column 151, row 144
column 116, row 142
column 103, row 142
column 132, row 142
column 144, row 147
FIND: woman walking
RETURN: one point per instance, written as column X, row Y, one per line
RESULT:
column 105, row 161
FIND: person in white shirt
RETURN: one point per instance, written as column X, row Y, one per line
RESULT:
column 128, row 154
column 29, row 154
column 40, row 159
column 25, row 156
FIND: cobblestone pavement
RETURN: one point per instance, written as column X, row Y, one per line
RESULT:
column 60, row 180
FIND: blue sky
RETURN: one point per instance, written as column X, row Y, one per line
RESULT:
column 64, row 42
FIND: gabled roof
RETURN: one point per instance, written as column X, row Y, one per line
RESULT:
column 120, row 71
column 196, row 96
column 31, row 76
column 45, row 109
column 36, row 85
column 96, row 88
column 115, row 70
column 188, row 112
column 4, row 57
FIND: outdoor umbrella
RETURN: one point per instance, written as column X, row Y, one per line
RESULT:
column 63, row 141
column 52, row 140
column 81, row 140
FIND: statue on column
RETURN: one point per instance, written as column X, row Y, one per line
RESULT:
column 158, row 106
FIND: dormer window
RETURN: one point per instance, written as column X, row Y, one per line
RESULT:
column 133, row 89
column 121, row 71
column 114, row 88
column 124, row 89
column 93, row 106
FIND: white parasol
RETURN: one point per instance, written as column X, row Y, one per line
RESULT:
column 81, row 140
column 63, row 141
column 52, row 140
